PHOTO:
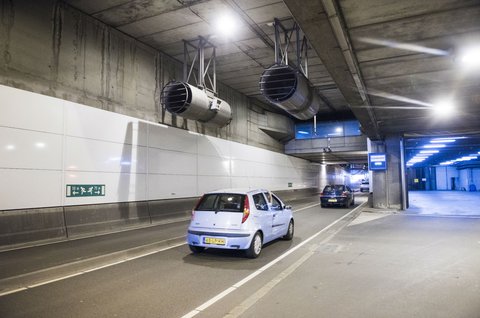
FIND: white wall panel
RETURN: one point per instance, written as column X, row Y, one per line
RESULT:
column 171, row 162
column 119, row 187
column 463, row 179
column 23, row 189
column 171, row 139
column 245, row 152
column 210, row 183
column 240, row 182
column 47, row 143
column 93, row 123
column 26, row 110
column 211, row 146
column 213, row 166
column 241, row 168
column 476, row 178
column 441, row 178
column 93, row 155
column 30, row 149
column 161, row 186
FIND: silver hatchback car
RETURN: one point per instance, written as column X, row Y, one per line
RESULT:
column 239, row 219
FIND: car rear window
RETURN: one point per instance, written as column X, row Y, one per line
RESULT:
column 228, row 202
column 334, row 188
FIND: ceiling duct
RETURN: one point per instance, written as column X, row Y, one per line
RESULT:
column 285, row 86
column 290, row 90
column 185, row 100
column 198, row 102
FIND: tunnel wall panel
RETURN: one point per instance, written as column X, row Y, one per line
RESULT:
column 138, row 162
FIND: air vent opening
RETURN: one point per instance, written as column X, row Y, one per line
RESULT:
column 278, row 83
column 176, row 97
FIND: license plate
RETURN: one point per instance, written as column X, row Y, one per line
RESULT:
column 214, row 240
column 332, row 200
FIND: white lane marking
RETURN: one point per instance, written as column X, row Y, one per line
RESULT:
column 307, row 207
column 13, row 291
column 111, row 264
column 89, row 270
column 218, row 297
column 250, row 301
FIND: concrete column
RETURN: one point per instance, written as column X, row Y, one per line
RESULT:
column 389, row 186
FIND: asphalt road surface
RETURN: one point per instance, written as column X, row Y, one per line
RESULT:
column 168, row 281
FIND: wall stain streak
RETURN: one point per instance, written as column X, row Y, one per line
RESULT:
column 57, row 21
column 158, row 83
column 120, row 72
column 8, row 19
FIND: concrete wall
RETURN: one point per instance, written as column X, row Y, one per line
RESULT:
column 332, row 174
column 50, row 48
column 468, row 177
column 463, row 178
column 337, row 144
column 444, row 175
column 386, row 185
column 47, row 143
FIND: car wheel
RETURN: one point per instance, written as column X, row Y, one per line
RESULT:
column 290, row 231
column 196, row 249
column 255, row 246
column 322, row 205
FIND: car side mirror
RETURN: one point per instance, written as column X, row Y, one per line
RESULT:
column 287, row 207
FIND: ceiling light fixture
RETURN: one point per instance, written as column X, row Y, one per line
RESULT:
column 441, row 140
column 226, row 25
column 444, row 107
column 429, row 151
column 435, row 146
column 470, row 57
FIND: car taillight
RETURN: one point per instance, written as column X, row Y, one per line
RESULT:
column 196, row 206
column 246, row 210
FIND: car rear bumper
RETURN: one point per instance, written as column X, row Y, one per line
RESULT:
column 328, row 200
column 238, row 241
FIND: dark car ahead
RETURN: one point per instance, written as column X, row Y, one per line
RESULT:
column 337, row 194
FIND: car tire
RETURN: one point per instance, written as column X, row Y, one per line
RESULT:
column 196, row 249
column 290, row 231
column 323, row 205
column 255, row 246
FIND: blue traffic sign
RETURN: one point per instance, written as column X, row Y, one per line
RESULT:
column 377, row 161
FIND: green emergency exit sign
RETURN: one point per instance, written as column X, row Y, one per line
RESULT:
column 85, row 190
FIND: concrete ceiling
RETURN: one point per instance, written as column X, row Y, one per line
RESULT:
column 386, row 61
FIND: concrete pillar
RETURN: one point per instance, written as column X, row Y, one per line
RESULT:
column 389, row 186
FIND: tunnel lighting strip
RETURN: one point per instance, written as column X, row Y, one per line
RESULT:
column 234, row 287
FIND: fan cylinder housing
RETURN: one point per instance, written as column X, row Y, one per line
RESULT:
column 185, row 100
column 290, row 90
